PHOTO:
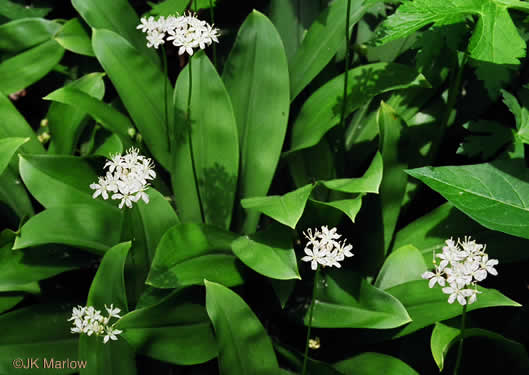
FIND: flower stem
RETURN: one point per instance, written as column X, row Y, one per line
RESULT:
column 212, row 14
column 188, row 122
column 165, row 77
column 460, row 348
column 311, row 309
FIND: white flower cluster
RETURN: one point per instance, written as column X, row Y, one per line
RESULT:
column 323, row 248
column 186, row 32
column 89, row 321
column 127, row 178
column 463, row 265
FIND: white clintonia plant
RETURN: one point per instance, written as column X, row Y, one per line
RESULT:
column 126, row 178
column 463, row 264
column 323, row 248
column 89, row 321
column 186, row 32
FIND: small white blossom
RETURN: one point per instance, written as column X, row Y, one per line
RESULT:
column 127, row 178
column 463, row 265
column 89, row 321
column 186, row 32
column 322, row 248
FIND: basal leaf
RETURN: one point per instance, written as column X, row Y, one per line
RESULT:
column 345, row 300
column 202, row 251
column 286, row 209
column 24, row 33
column 26, row 68
column 175, row 330
column 430, row 305
column 374, row 364
column 402, row 265
column 244, row 346
column 269, row 252
column 256, row 67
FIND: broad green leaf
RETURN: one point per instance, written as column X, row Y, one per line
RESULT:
column 368, row 183
column 111, row 146
column 94, row 227
column 493, row 194
column 24, row 33
column 38, row 332
column 119, row 17
column 108, row 288
column 269, row 252
column 26, row 68
column 73, row 37
column 169, row 7
column 244, row 346
column 67, row 122
column 429, row 305
column 286, row 209
column 495, row 38
column 13, row 124
column 13, row 10
column 8, row 148
column 374, row 364
column 402, row 265
column 393, row 186
column 61, row 180
column 175, row 330
column 444, row 337
column 214, row 143
column 189, row 253
column 292, row 20
column 321, row 111
column 156, row 218
column 140, row 85
column 345, row 300
column 323, row 39
column 14, row 195
column 429, row 233
column 103, row 113
column 256, row 67
column 30, row 265
column 350, row 207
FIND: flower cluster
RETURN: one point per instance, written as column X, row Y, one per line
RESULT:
column 89, row 321
column 186, row 32
column 462, row 266
column 323, row 248
column 127, row 178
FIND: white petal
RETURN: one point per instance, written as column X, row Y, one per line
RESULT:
column 314, row 265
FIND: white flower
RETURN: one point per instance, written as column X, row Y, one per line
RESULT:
column 186, row 32
column 462, row 268
column 315, row 256
column 434, row 278
column 89, row 321
column 113, row 312
column 127, row 178
column 322, row 248
column 111, row 334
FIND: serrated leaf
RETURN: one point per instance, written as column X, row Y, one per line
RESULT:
column 495, row 38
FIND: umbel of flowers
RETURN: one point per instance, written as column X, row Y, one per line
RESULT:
column 324, row 248
column 462, row 265
column 127, row 178
column 89, row 321
column 186, row 32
